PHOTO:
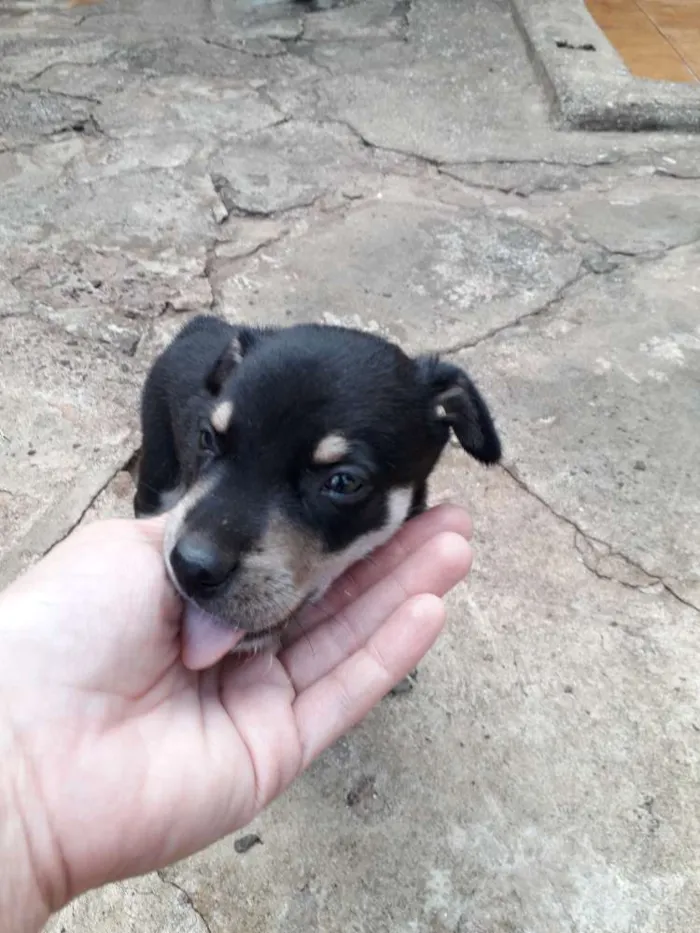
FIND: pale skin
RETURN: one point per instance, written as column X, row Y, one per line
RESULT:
column 116, row 760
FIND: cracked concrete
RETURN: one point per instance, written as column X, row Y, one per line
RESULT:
column 589, row 84
column 392, row 166
column 618, row 429
column 600, row 558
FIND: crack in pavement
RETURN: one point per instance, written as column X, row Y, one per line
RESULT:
column 665, row 173
column 238, row 45
column 586, row 270
column 445, row 166
column 511, row 190
column 365, row 141
column 299, row 36
column 402, row 10
column 594, row 552
column 582, row 273
column 124, row 464
column 209, row 271
column 66, row 514
column 13, row 86
column 186, row 897
column 608, row 550
column 639, row 257
column 227, row 195
column 98, row 63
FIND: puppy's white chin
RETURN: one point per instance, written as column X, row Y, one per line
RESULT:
column 205, row 640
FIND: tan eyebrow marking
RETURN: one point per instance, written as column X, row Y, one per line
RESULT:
column 221, row 416
column 331, row 449
column 236, row 350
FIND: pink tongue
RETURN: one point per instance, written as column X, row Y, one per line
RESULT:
column 204, row 640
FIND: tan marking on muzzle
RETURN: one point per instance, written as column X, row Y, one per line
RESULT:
column 286, row 547
column 331, row 449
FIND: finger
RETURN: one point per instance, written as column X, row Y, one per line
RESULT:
column 109, row 631
column 259, row 700
column 152, row 529
column 384, row 560
column 341, row 699
column 434, row 568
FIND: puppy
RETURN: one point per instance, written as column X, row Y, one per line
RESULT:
column 284, row 456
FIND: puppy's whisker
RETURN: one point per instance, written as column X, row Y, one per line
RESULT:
column 296, row 621
column 150, row 488
column 325, row 609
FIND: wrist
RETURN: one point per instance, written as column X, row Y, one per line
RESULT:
column 25, row 896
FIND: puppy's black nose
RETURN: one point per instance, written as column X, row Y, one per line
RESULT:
column 199, row 566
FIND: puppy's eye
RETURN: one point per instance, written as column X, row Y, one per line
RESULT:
column 346, row 486
column 207, row 441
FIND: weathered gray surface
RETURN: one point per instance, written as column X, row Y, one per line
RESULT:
column 589, row 83
column 391, row 166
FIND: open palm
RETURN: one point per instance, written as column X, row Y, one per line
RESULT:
column 133, row 761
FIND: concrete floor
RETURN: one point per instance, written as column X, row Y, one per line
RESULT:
column 391, row 165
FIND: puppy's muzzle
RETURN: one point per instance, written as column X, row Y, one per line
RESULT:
column 201, row 568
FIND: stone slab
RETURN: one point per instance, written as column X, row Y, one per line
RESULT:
column 427, row 274
column 67, row 424
column 636, row 219
column 602, row 401
column 91, row 243
column 290, row 166
column 140, row 905
column 26, row 116
column 591, row 87
column 462, row 90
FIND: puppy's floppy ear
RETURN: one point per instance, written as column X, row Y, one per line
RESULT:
column 456, row 402
column 234, row 351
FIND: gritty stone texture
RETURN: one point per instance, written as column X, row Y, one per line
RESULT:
column 77, row 400
column 612, row 411
column 590, row 83
column 115, row 500
column 256, row 176
column 129, row 906
column 26, row 115
column 392, row 166
column 435, row 95
column 635, row 220
column 429, row 275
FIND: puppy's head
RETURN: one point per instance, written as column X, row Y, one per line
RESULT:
column 313, row 446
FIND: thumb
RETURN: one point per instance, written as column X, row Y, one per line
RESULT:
column 152, row 530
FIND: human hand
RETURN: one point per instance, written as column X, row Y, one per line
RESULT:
column 115, row 759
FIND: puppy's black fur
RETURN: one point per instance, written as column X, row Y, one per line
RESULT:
column 287, row 454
